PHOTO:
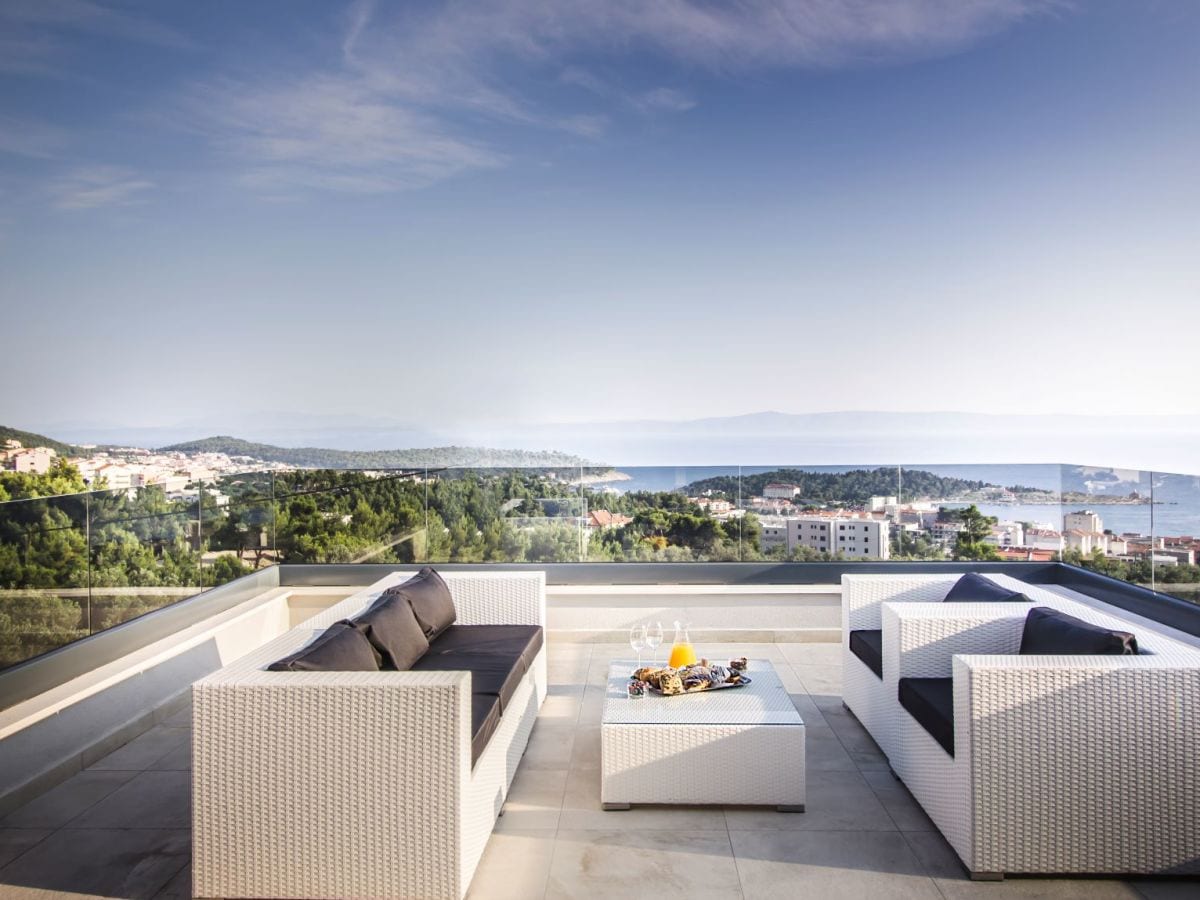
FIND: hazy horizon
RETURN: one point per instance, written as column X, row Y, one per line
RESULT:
column 1169, row 444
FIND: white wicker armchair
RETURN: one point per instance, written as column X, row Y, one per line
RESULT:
column 871, row 698
column 1084, row 764
column 355, row 784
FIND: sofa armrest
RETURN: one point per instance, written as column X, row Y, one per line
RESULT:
column 921, row 639
column 864, row 595
column 1098, row 750
column 309, row 774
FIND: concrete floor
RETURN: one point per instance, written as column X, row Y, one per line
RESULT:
column 122, row 827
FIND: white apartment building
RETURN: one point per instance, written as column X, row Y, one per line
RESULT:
column 33, row 460
column 1006, row 534
column 116, row 477
column 774, row 532
column 1044, row 539
column 1085, row 520
column 714, row 506
column 879, row 504
column 854, row 538
column 945, row 532
column 778, row 490
column 858, row 538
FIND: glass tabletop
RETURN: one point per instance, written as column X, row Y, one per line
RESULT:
column 764, row 701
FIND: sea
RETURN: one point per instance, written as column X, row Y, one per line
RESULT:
column 1176, row 517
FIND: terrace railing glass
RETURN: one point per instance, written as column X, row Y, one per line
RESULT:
column 76, row 564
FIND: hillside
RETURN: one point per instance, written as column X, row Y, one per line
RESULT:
column 29, row 439
column 849, row 487
column 321, row 458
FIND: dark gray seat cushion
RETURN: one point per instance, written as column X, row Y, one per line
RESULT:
column 1049, row 632
column 975, row 588
column 498, row 639
column 497, row 656
column 485, row 719
column 392, row 628
column 931, row 702
column 430, row 599
column 340, row 648
column 868, row 646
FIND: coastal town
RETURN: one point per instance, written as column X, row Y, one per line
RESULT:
column 123, row 468
column 875, row 530
column 884, row 527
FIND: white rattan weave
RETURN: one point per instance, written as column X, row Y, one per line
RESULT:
column 354, row 784
column 1062, row 763
column 667, row 749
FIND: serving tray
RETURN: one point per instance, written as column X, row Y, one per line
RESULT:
column 716, row 687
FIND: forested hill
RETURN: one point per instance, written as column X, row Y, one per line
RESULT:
column 29, row 439
column 319, row 458
column 856, row 486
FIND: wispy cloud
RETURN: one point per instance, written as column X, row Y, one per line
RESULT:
column 25, row 137
column 413, row 94
column 89, row 17
column 748, row 33
column 96, row 186
column 330, row 132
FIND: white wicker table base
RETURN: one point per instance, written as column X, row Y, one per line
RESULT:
column 737, row 747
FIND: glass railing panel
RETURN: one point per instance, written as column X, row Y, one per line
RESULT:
column 1108, row 522
column 145, row 549
column 238, row 526
column 1175, row 535
column 990, row 512
column 669, row 514
column 507, row 515
column 358, row 516
column 44, row 596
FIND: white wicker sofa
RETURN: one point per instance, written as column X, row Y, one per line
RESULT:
column 1060, row 764
column 356, row 784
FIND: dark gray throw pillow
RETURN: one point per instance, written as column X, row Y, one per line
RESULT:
column 974, row 588
column 392, row 628
column 1049, row 632
column 340, row 648
column 430, row 599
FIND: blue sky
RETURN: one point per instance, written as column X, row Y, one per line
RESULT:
column 563, row 211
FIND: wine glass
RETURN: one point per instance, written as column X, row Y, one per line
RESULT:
column 654, row 637
column 637, row 640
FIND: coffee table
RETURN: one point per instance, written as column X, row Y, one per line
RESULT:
column 732, row 747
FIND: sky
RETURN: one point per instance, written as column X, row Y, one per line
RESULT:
column 566, row 211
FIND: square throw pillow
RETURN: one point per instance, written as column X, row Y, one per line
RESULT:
column 974, row 588
column 430, row 599
column 340, row 648
column 1049, row 632
column 392, row 628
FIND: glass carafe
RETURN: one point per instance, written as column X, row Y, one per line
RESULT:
column 682, row 651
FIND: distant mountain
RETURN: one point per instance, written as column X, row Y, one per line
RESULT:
column 29, row 439
column 321, row 458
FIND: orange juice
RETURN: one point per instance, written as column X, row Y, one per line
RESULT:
column 682, row 654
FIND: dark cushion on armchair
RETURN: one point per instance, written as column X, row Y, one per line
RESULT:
column 1049, row 632
column 975, row 588
column 931, row 702
column 867, row 645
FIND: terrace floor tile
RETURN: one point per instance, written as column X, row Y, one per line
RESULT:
column 65, row 801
